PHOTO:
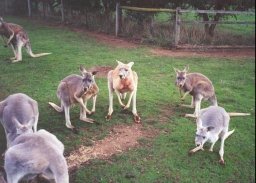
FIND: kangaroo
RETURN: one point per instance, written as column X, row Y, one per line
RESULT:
column 36, row 153
column 17, row 37
column 18, row 107
column 121, row 80
column 212, row 124
column 77, row 89
column 197, row 85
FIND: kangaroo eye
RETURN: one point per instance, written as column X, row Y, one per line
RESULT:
column 203, row 137
column 126, row 70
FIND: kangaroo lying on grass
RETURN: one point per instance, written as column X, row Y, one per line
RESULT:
column 121, row 80
column 17, row 37
column 197, row 85
column 212, row 124
column 18, row 107
column 77, row 89
column 37, row 153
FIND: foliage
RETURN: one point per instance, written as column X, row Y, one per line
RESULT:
column 107, row 7
column 235, row 5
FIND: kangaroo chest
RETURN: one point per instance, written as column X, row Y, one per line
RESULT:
column 125, row 85
column 92, row 91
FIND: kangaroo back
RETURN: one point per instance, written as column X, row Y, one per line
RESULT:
column 45, row 156
column 21, row 110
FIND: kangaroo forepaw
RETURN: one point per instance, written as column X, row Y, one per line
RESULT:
column 90, row 113
column 191, row 152
column 125, row 107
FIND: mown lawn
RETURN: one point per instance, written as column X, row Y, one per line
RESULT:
column 163, row 159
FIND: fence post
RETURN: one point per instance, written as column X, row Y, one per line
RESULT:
column 152, row 25
column 62, row 11
column 6, row 6
column 177, row 28
column 117, row 18
column 29, row 9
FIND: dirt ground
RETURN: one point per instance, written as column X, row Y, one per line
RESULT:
column 122, row 137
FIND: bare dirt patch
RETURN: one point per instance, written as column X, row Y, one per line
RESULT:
column 216, row 53
column 119, row 139
column 102, row 70
column 132, row 43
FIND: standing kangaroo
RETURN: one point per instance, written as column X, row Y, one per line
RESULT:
column 17, row 37
column 121, row 80
column 212, row 124
column 197, row 85
column 77, row 89
column 18, row 107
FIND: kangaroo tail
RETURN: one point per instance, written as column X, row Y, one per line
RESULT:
column 29, row 51
column 232, row 114
column 39, row 54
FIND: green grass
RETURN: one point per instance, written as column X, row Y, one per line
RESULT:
column 163, row 159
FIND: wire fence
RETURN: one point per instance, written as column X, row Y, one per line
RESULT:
column 151, row 27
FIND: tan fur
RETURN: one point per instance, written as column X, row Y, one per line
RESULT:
column 122, row 80
column 17, row 38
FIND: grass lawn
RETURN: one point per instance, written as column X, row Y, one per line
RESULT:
column 162, row 159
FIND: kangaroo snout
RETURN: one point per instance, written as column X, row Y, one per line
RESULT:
column 121, row 76
column 86, row 89
column 198, row 144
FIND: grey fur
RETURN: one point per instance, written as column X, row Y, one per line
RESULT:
column 36, row 153
column 77, row 89
column 212, row 124
column 197, row 85
column 18, row 108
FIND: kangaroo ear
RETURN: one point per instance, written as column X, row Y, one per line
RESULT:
column 16, row 123
column 31, row 122
column 119, row 63
column 186, row 69
column 94, row 72
column 82, row 69
column 209, row 128
column 176, row 70
column 130, row 64
column 199, row 123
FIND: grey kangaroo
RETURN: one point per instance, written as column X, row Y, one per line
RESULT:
column 212, row 124
column 36, row 153
column 77, row 89
column 197, row 85
column 17, row 37
column 18, row 107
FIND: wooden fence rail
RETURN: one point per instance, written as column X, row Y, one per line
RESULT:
column 178, row 21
